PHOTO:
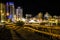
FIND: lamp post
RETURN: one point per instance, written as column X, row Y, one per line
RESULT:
column 26, row 18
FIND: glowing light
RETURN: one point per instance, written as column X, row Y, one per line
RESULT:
column 7, row 14
column 1, row 11
column 23, row 19
column 31, row 21
column 2, row 20
column 2, row 14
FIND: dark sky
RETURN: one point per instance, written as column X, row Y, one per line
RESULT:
column 35, row 6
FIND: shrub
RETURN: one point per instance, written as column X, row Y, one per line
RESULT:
column 19, row 23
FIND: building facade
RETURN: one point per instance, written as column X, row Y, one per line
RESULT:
column 19, row 13
column 10, row 9
column 2, row 12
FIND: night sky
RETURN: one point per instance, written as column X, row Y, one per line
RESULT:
column 35, row 6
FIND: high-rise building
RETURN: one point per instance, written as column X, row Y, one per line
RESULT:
column 10, row 9
column 2, row 12
column 19, row 12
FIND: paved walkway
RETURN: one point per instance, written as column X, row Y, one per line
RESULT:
column 5, row 34
column 21, row 33
column 9, row 34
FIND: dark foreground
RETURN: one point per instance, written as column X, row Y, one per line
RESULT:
column 21, row 33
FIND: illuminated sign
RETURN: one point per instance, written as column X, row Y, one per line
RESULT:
column 10, row 3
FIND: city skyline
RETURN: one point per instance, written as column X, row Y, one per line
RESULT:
column 29, row 20
column 34, row 7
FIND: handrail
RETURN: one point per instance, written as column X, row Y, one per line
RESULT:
column 50, row 27
column 51, row 34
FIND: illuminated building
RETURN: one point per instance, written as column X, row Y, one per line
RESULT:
column 40, row 15
column 47, row 15
column 10, row 9
column 19, row 13
column 28, row 16
column 2, row 12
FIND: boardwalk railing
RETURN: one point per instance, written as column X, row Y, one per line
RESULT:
column 47, row 33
